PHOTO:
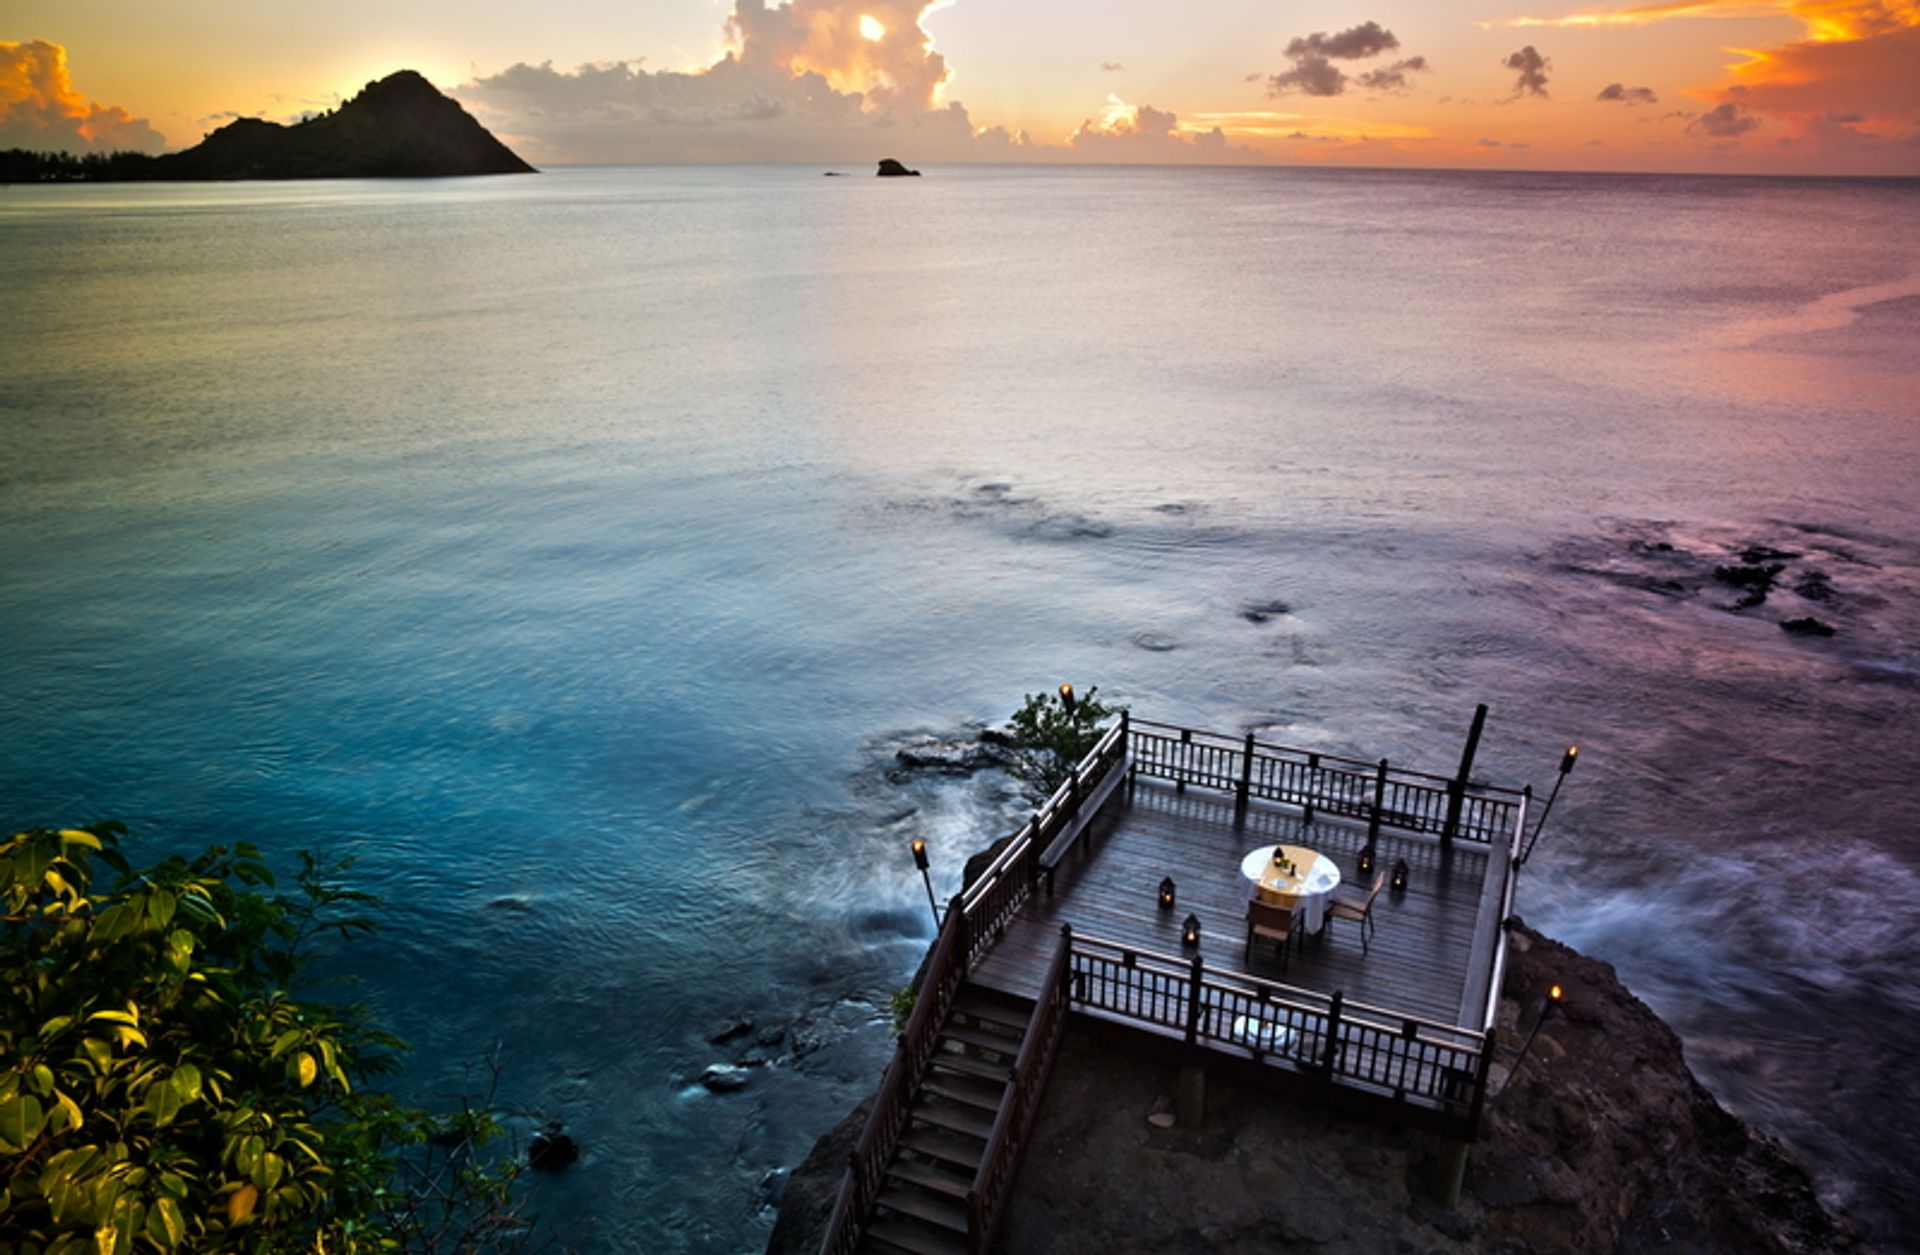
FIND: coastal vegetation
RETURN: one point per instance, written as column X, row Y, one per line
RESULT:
column 167, row 1083
column 1052, row 733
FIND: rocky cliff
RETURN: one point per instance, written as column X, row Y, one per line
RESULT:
column 1601, row 1141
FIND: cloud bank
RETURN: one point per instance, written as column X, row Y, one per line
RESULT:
column 41, row 111
column 815, row 80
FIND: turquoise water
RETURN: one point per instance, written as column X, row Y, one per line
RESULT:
column 573, row 550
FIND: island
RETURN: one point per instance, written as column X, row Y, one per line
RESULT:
column 399, row 127
column 891, row 169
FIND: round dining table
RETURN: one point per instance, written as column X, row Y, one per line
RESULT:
column 1295, row 876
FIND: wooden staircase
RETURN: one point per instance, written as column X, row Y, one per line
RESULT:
column 922, row 1205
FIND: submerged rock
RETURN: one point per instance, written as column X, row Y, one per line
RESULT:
column 724, row 1078
column 1756, row 580
column 1808, row 626
column 1262, row 611
column 550, row 1150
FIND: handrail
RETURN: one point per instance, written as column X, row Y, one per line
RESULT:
column 866, row 1165
column 1294, row 995
column 1059, row 802
column 1507, row 894
column 1325, row 759
column 1018, row 1108
column 1408, row 1057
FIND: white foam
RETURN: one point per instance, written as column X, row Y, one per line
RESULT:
column 1829, row 313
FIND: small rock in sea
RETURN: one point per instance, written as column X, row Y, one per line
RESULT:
column 1815, row 586
column 1808, row 626
column 771, row 1035
column 550, row 1150
column 890, row 169
column 1261, row 611
column 727, row 1030
column 1161, row 1119
column 1756, row 580
column 1754, row 555
column 724, row 1078
column 1154, row 642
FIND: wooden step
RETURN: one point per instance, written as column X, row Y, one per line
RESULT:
column 1000, row 1042
column 972, row 1065
column 890, row 1234
column 962, row 1152
column 930, row 1177
column 973, row 1091
column 978, row 1004
column 931, row 1109
column 940, row 1212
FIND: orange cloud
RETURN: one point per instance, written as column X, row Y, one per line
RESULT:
column 1824, row 19
column 40, row 110
column 874, row 47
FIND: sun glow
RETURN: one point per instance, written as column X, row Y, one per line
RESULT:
column 871, row 28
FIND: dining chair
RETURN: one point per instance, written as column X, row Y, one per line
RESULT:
column 1264, row 919
column 1357, row 909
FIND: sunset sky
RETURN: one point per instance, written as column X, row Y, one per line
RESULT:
column 1787, row 86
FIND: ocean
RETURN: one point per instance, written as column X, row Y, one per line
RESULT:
column 574, row 551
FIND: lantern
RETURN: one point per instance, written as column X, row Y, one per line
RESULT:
column 1190, row 932
column 1400, row 876
column 1166, row 893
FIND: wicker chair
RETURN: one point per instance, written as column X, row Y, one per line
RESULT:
column 1357, row 909
column 1264, row 919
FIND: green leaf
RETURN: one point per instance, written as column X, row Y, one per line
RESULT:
column 54, row 1027
column 21, row 1118
column 186, row 1078
column 284, row 1042
column 42, row 1079
column 68, row 1109
column 99, row 1052
column 272, row 1168
column 163, row 1102
column 165, row 1225
column 160, row 907
column 240, row 1204
column 76, row 836
column 114, row 1017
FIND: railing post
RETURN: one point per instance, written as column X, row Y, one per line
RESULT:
column 1457, row 789
column 1313, row 787
column 1246, row 773
column 1193, row 1002
column 1333, row 1030
column 957, row 909
column 1379, row 800
column 1186, row 760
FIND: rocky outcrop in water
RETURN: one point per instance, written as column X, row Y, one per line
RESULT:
column 1602, row 1141
column 891, row 169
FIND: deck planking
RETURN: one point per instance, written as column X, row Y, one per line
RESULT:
column 1419, row 961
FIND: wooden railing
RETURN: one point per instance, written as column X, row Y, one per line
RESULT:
column 1381, row 1052
column 1379, row 793
column 867, row 1165
column 1021, row 1104
column 974, row 921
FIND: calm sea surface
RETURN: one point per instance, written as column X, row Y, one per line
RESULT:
column 572, row 551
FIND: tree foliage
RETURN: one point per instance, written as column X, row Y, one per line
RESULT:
column 1051, row 734
column 161, row 1089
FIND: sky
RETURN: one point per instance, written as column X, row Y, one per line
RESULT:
column 1735, row 86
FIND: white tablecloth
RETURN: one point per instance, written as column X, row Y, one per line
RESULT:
column 1310, row 900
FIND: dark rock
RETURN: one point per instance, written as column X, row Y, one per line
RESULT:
column 1262, row 611
column 727, row 1030
column 810, row 1190
column 1815, row 586
column 1754, row 555
column 1756, row 580
column 951, row 757
column 891, row 169
column 724, row 1078
column 771, row 1035
column 1808, row 626
column 550, row 1150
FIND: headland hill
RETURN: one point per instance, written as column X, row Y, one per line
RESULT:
column 399, row 127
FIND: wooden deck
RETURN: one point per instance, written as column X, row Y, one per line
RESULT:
column 1430, row 950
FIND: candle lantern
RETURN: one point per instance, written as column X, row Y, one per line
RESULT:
column 1400, row 876
column 1190, row 932
column 1166, row 893
column 1366, row 860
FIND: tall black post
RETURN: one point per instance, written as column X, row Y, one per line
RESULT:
column 1457, row 790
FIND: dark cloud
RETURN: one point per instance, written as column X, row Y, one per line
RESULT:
column 1315, row 74
column 1532, row 70
column 1369, row 39
column 1114, row 67
column 1311, row 76
column 1628, row 95
column 1724, row 121
column 1393, row 78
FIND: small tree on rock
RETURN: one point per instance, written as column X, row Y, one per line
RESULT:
column 1052, row 732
